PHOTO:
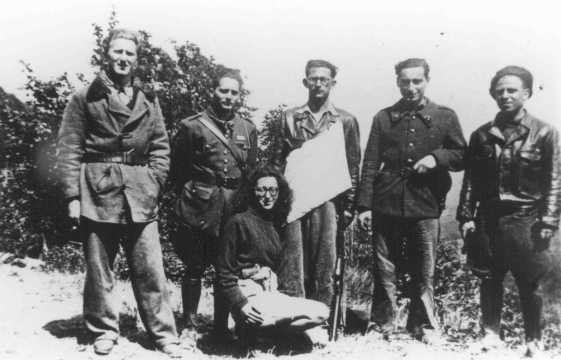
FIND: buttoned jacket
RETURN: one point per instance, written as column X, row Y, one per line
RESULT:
column 203, row 160
column 96, row 122
column 524, row 169
column 398, row 139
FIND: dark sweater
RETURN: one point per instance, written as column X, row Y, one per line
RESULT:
column 248, row 239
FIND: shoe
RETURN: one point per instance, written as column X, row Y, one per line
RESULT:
column 431, row 337
column 172, row 350
column 426, row 335
column 534, row 348
column 189, row 335
column 103, row 346
column 379, row 332
column 491, row 341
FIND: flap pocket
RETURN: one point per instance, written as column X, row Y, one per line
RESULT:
column 199, row 190
column 531, row 155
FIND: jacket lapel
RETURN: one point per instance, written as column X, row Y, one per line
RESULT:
column 141, row 106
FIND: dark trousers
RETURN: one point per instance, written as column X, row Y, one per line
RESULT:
column 141, row 243
column 421, row 238
column 511, row 234
column 197, row 250
column 309, row 255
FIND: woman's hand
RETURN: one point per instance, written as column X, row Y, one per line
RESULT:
column 251, row 315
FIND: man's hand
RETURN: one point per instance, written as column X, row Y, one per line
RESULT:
column 546, row 234
column 74, row 210
column 263, row 273
column 425, row 164
column 347, row 218
column 251, row 315
column 543, row 237
column 365, row 220
column 466, row 228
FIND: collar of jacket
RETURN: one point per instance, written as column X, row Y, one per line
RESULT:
column 521, row 130
column 423, row 110
column 304, row 112
column 328, row 108
column 223, row 125
column 99, row 89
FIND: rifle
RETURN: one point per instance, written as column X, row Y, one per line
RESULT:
column 337, row 305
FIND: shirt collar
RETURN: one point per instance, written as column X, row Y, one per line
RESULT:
column 327, row 108
column 523, row 126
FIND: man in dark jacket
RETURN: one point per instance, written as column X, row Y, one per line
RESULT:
column 211, row 153
column 412, row 147
column 310, row 241
column 113, row 157
column 513, row 182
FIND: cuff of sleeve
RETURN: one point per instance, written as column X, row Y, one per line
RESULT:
column 550, row 221
column 71, row 198
column 438, row 158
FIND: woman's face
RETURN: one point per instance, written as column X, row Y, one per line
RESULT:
column 267, row 192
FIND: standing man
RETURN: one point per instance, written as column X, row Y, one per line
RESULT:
column 113, row 159
column 211, row 153
column 513, row 181
column 310, row 241
column 413, row 144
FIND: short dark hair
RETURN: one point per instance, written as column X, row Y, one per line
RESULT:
column 315, row 63
column 514, row 70
column 122, row 33
column 224, row 72
column 411, row 63
column 246, row 195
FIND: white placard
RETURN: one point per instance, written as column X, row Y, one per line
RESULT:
column 318, row 171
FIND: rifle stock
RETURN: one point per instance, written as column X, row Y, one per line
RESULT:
column 337, row 306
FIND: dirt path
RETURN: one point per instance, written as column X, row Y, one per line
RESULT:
column 40, row 318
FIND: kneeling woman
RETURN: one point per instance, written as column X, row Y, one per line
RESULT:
column 249, row 257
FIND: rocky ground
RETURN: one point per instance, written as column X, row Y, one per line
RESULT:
column 40, row 318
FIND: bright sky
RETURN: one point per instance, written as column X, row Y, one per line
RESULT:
column 270, row 41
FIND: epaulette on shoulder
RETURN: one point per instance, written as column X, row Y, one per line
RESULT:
column 248, row 120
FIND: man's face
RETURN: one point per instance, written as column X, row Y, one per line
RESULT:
column 412, row 83
column 227, row 93
column 319, row 82
column 267, row 192
column 510, row 94
column 122, row 56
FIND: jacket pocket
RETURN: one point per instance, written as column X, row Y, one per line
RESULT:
column 530, row 167
column 201, row 206
column 103, row 178
column 197, row 195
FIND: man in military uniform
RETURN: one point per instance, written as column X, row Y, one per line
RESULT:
column 513, row 183
column 412, row 146
column 310, row 242
column 211, row 153
column 113, row 157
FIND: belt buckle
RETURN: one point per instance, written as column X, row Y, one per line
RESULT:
column 127, row 156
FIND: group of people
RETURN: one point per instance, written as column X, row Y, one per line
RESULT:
column 114, row 157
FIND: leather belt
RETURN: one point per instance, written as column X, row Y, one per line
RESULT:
column 125, row 157
column 225, row 182
column 228, row 182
